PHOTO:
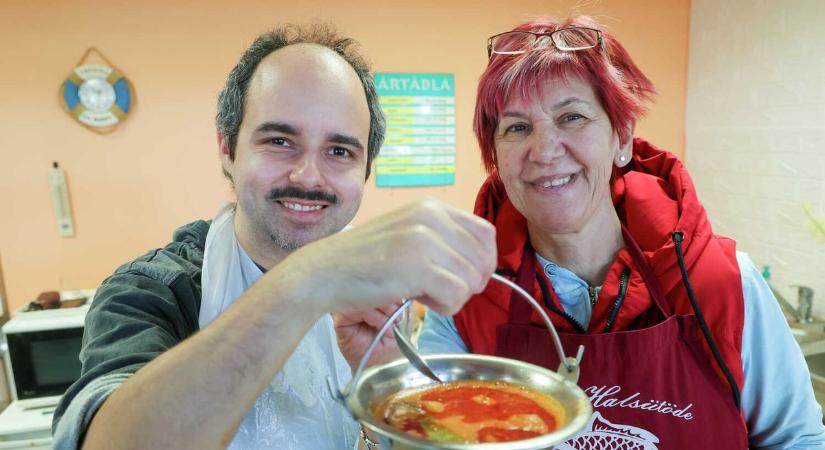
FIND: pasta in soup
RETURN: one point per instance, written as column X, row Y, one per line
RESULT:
column 472, row 411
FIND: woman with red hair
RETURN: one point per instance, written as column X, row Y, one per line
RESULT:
column 685, row 345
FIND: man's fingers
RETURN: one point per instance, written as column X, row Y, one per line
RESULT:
column 374, row 318
column 465, row 234
column 428, row 248
column 389, row 308
column 446, row 293
column 450, row 265
column 483, row 231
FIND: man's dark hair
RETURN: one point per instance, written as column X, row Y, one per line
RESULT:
column 232, row 99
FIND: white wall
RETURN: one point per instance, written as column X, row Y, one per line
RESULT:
column 755, row 130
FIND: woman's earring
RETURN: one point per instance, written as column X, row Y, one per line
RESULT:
column 622, row 158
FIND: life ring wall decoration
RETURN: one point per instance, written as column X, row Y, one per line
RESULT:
column 97, row 95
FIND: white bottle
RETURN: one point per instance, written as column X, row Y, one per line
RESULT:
column 60, row 201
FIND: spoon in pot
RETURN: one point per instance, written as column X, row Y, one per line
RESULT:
column 404, row 345
column 408, row 349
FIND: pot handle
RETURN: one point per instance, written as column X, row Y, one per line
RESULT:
column 568, row 369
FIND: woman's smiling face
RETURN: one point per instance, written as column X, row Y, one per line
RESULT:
column 555, row 152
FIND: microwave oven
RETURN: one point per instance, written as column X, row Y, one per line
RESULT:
column 43, row 347
column 41, row 357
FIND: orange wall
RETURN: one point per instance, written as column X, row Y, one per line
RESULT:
column 160, row 169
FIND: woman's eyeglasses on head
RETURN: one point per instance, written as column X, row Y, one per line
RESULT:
column 566, row 39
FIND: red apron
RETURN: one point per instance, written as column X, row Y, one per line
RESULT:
column 652, row 388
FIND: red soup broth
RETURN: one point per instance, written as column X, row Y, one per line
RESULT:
column 472, row 411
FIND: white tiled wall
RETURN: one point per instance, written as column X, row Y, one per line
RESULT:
column 755, row 130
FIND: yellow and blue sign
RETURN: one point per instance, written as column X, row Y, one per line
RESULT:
column 419, row 148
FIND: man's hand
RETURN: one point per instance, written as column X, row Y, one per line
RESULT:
column 429, row 250
column 355, row 331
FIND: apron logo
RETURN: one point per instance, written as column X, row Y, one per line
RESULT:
column 607, row 397
column 600, row 434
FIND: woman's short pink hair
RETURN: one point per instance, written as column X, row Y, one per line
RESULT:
column 619, row 84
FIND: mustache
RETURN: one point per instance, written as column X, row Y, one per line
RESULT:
column 298, row 193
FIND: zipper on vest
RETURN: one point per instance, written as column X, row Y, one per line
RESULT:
column 593, row 292
column 545, row 293
column 617, row 304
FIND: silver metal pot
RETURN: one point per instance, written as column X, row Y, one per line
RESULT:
column 371, row 386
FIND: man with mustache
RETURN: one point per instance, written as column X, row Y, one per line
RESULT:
column 224, row 337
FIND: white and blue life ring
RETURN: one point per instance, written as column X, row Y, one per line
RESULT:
column 97, row 95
